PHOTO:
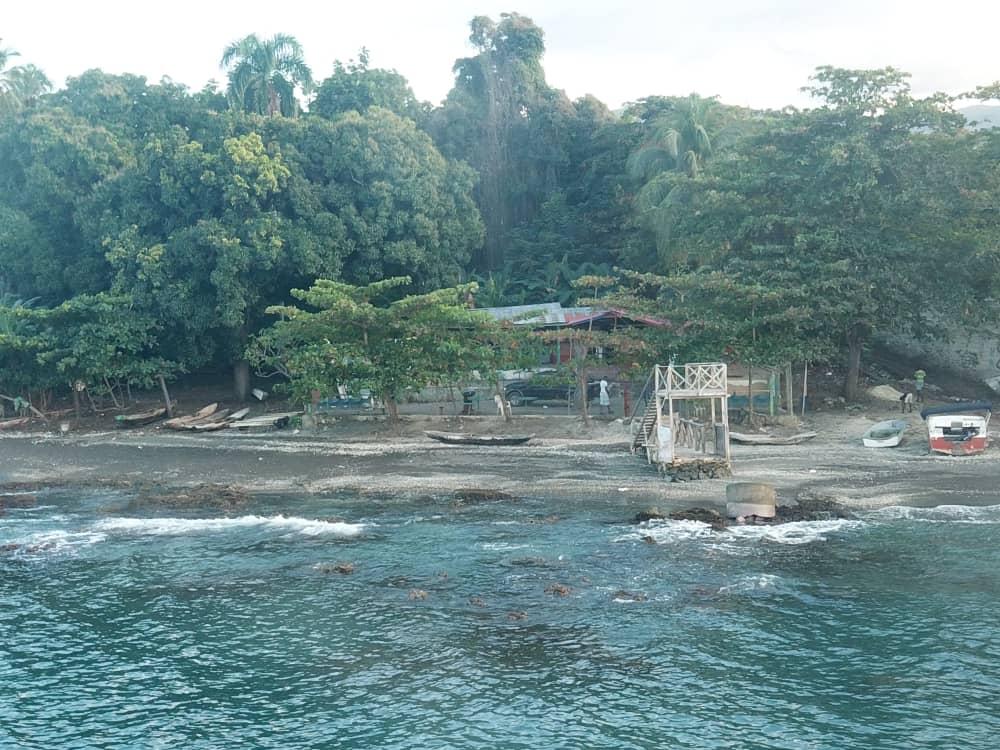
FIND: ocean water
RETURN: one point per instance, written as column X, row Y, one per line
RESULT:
column 519, row 624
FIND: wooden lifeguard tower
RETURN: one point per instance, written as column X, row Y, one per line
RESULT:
column 684, row 427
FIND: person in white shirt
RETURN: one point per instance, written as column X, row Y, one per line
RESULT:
column 604, row 398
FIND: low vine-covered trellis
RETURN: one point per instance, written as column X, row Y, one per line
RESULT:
column 685, row 417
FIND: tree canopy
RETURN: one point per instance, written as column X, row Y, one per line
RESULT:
column 761, row 235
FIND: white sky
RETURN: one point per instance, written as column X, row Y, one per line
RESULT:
column 751, row 52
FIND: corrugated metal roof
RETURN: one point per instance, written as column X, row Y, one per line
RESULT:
column 554, row 314
column 546, row 313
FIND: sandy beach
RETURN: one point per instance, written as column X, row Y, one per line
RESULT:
column 565, row 460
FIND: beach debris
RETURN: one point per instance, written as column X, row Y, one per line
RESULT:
column 558, row 589
column 417, row 595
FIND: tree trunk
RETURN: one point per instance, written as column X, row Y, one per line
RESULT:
column 581, row 387
column 504, row 404
column 392, row 409
column 166, row 396
column 853, row 367
column 241, row 379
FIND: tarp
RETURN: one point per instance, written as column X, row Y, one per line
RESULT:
column 959, row 408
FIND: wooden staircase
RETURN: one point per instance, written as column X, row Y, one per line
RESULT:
column 645, row 427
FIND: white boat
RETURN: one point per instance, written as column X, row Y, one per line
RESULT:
column 958, row 429
column 887, row 434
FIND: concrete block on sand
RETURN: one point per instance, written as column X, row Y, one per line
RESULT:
column 750, row 499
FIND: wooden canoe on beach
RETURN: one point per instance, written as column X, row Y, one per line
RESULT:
column 216, row 423
column 747, row 439
column 12, row 424
column 453, row 438
column 140, row 418
column 179, row 423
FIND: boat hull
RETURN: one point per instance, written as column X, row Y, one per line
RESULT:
column 452, row 438
column 962, row 448
column 891, row 442
column 958, row 434
column 887, row 434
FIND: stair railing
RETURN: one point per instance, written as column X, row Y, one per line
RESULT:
column 640, row 403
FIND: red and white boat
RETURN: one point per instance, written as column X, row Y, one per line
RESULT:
column 958, row 429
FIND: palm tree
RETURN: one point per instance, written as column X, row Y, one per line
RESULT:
column 19, row 85
column 263, row 74
column 679, row 139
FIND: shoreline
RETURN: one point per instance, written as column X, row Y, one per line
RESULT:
column 565, row 461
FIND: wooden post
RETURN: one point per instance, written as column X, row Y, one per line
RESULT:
column 805, row 387
column 166, row 396
column 750, row 390
column 789, row 396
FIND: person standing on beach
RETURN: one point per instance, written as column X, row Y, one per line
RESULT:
column 918, row 377
column 604, row 398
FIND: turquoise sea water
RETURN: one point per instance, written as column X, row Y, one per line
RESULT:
column 149, row 629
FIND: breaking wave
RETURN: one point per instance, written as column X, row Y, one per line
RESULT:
column 176, row 526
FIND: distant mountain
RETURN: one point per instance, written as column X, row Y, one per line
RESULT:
column 984, row 115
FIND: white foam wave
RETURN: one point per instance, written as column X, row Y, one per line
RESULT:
column 970, row 514
column 55, row 541
column 764, row 582
column 795, row 532
column 178, row 526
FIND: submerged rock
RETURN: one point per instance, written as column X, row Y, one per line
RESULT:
column 812, row 506
column 417, row 595
column 471, row 495
column 344, row 568
column 650, row 514
column 220, row 496
column 558, row 589
column 517, row 615
column 17, row 500
column 703, row 515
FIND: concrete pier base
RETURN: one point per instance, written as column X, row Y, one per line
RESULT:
column 750, row 499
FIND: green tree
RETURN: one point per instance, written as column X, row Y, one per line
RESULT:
column 51, row 163
column 832, row 211
column 355, row 86
column 264, row 73
column 20, row 85
column 507, row 123
column 355, row 336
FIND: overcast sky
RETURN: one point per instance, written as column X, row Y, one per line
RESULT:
column 750, row 52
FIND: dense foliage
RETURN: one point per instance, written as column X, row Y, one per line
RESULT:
column 145, row 229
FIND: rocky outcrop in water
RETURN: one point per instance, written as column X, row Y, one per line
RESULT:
column 807, row 506
column 203, row 496
column 812, row 506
